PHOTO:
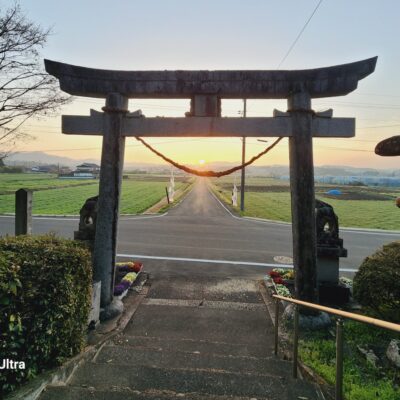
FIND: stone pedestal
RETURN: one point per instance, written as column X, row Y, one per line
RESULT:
column 94, row 314
column 328, row 262
column 330, row 291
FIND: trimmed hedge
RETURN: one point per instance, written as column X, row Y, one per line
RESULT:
column 376, row 285
column 45, row 296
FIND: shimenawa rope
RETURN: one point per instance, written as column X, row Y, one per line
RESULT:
column 213, row 174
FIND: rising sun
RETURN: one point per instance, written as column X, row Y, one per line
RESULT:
column 202, row 162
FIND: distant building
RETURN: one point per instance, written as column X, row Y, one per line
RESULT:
column 88, row 167
column 83, row 171
column 47, row 169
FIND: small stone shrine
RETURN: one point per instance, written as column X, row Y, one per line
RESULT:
column 329, row 250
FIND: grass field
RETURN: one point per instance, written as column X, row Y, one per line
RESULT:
column 9, row 183
column 363, row 207
column 138, row 193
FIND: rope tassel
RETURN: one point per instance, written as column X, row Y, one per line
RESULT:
column 213, row 174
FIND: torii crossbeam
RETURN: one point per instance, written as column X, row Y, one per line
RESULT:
column 206, row 89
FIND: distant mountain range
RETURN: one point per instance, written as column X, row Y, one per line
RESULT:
column 32, row 159
column 36, row 158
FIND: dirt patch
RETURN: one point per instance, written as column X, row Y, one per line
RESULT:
column 358, row 196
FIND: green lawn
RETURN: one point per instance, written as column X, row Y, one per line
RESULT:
column 362, row 381
column 137, row 195
column 275, row 204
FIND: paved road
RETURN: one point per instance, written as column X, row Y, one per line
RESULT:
column 201, row 228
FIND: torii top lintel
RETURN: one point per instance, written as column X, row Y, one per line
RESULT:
column 258, row 84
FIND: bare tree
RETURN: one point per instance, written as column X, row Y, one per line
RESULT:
column 26, row 90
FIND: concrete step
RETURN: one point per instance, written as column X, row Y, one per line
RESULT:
column 90, row 393
column 124, row 355
column 217, row 325
column 204, row 288
column 205, row 382
column 260, row 350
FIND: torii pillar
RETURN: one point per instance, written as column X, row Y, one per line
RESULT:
column 303, row 196
column 206, row 89
column 112, row 162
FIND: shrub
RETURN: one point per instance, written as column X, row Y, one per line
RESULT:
column 11, row 170
column 376, row 285
column 45, row 285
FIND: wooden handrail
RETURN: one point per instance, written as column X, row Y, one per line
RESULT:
column 345, row 314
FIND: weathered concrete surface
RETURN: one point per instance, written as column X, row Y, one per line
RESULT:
column 320, row 82
column 204, row 348
column 112, row 161
column 187, row 380
column 174, row 358
column 208, row 126
column 255, row 350
column 201, row 288
column 303, row 198
column 217, row 325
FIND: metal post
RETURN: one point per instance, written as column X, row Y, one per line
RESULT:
column 295, row 340
column 339, row 360
column 276, row 326
column 243, row 160
column 166, row 191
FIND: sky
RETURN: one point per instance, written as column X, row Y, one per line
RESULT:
column 227, row 34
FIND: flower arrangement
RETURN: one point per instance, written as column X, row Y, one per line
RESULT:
column 281, row 278
column 129, row 266
column 130, row 271
column 282, row 290
column 346, row 282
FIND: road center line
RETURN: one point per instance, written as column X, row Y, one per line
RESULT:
column 205, row 260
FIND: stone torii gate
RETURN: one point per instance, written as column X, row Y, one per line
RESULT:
column 205, row 89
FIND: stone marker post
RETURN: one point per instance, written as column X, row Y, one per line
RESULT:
column 23, row 212
column 302, row 196
column 112, row 161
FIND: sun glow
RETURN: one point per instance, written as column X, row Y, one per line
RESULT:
column 202, row 162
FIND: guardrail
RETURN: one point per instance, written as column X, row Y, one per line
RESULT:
column 339, row 334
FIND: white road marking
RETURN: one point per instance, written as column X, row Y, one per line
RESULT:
column 143, row 217
column 205, row 260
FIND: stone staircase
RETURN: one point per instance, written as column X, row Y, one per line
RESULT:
column 180, row 346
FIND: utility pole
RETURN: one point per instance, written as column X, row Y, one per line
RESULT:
column 243, row 160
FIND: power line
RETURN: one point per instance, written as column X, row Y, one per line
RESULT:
column 346, row 149
column 134, row 145
column 362, row 105
column 300, row 33
column 378, row 126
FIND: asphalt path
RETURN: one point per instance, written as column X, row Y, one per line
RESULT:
column 201, row 230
